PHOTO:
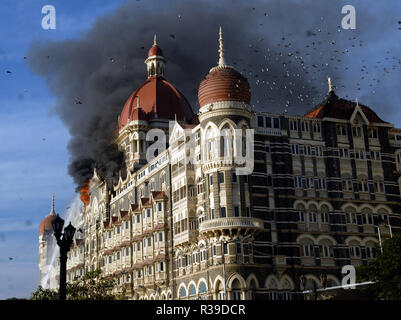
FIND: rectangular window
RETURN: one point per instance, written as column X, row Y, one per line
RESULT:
column 161, row 266
column 295, row 149
column 360, row 154
column 138, row 218
column 375, row 155
column 223, row 213
column 268, row 122
column 319, row 151
column 317, row 127
column 341, row 130
column 305, row 126
column 307, row 150
column 160, row 236
column 372, row 133
column 225, row 248
column 260, row 121
column 310, row 183
column 298, row 182
column 276, row 123
column 236, row 211
column 356, row 131
column 294, row 125
column 344, row 153
column 238, row 248
column 214, row 250
column 211, row 213
column 211, row 180
column 160, row 206
column 148, row 213
column 221, row 177
column 234, row 177
column 149, row 241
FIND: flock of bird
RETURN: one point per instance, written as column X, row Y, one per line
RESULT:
column 287, row 67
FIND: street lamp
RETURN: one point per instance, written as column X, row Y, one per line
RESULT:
column 64, row 241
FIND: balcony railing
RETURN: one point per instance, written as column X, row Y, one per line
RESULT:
column 231, row 223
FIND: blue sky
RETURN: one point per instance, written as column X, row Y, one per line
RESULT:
column 33, row 140
column 33, row 154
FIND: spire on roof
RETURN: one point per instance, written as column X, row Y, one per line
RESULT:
column 154, row 40
column 356, row 100
column 330, row 85
column 222, row 61
column 52, row 212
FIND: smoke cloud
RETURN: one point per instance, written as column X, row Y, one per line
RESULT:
column 286, row 50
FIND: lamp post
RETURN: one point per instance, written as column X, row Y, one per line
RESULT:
column 64, row 241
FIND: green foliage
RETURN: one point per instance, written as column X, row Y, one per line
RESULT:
column 91, row 286
column 44, row 294
column 385, row 270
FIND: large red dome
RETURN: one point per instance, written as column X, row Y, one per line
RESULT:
column 223, row 83
column 158, row 99
column 46, row 224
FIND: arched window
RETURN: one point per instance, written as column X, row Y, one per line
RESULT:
column 326, row 248
column 236, row 290
column 252, row 290
column 307, row 249
column 324, row 214
column 192, row 290
column 226, row 143
column 202, row 288
column 301, row 213
column 312, row 214
column 350, row 215
column 354, row 249
column 370, row 250
column 183, row 292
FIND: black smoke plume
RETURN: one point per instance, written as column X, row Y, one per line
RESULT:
column 286, row 49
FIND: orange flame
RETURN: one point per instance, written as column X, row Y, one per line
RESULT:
column 85, row 197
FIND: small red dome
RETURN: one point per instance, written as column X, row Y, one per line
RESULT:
column 223, row 84
column 155, row 51
column 158, row 98
column 46, row 224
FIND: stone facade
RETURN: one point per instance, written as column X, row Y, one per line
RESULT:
column 315, row 201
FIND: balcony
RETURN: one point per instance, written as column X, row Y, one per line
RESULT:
column 220, row 224
column 185, row 236
column 269, row 131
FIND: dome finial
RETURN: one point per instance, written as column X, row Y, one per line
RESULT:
column 330, row 85
column 222, row 62
column 154, row 40
column 52, row 212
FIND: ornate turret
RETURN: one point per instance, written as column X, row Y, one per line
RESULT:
column 155, row 61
